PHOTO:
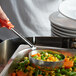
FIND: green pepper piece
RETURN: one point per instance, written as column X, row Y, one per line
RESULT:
column 48, row 56
column 26, row 62
column 35, row 57
column 42, row 57
column 68, row 70
column 50, row 52
column 55, row 55
column 63, row 71
column 58, row 70
column 42, row 52
column 74, row 61
column 71, row 73
column 58, row 74
column 75, row 56
column 19, row 67
column 59, row 57
column 25, row 70
column 22, row 65
column 36, row 72
column 40, row 72
column 47, row 69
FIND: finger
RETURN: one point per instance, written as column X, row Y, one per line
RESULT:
column 3, row 15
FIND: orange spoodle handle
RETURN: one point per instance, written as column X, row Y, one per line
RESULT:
column 6, row 24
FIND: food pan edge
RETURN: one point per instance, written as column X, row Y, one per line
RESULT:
column 24, row 52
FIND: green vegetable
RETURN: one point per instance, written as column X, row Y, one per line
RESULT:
column 42, row 57
column 48, row 56
column 74, row 61
column 58, row 70
column 35, row 57
column 21, row 64
column 40, row 72
column 55, row 55
column 58, row 74
column 42, row 52
column 46, row 69
column 63, row 71
column 59, row 57
column 75, row 56
column 36, row 72
column 19, row 67
column 68, row 70
column 73, row 67
column 25, row 70
column 71, row 73
column 50, row 52
column 24, row 63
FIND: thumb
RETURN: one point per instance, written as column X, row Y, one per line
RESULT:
column 3, row 15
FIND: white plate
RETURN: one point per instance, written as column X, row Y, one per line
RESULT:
column 62, row 34
column 58, row 34
column 68, row 8
column 64, row 30
column 63, row 22
column 54, row 35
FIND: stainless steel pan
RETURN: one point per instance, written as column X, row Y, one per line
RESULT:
column 13, row 44
column 12, row 62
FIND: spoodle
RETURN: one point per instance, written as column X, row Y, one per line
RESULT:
column 40, row 63
column 10, row 26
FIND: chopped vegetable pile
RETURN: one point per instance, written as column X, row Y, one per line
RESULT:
column 48, row 56
column 25, row 68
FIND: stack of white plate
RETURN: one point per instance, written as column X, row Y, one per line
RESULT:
column 62, row 26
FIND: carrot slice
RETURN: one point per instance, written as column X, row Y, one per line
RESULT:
column 13, row 74
column 66, row 59
column 40, row 75
column 51, row 58
column 34, row 55
column 38, row 54
column 39, row 67
column 20, row 73
column 68, row 64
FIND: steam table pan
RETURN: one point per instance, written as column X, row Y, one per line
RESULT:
column 17, row 56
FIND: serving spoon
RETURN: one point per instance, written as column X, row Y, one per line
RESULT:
column 36, row 62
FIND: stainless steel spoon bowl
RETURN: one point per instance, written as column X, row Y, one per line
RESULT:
column 45, row 64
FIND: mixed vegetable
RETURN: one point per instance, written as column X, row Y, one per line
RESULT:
column 48, row 56
column 25, row 68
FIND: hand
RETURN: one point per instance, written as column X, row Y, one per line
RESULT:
column 4, row 21
column 3, row 15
